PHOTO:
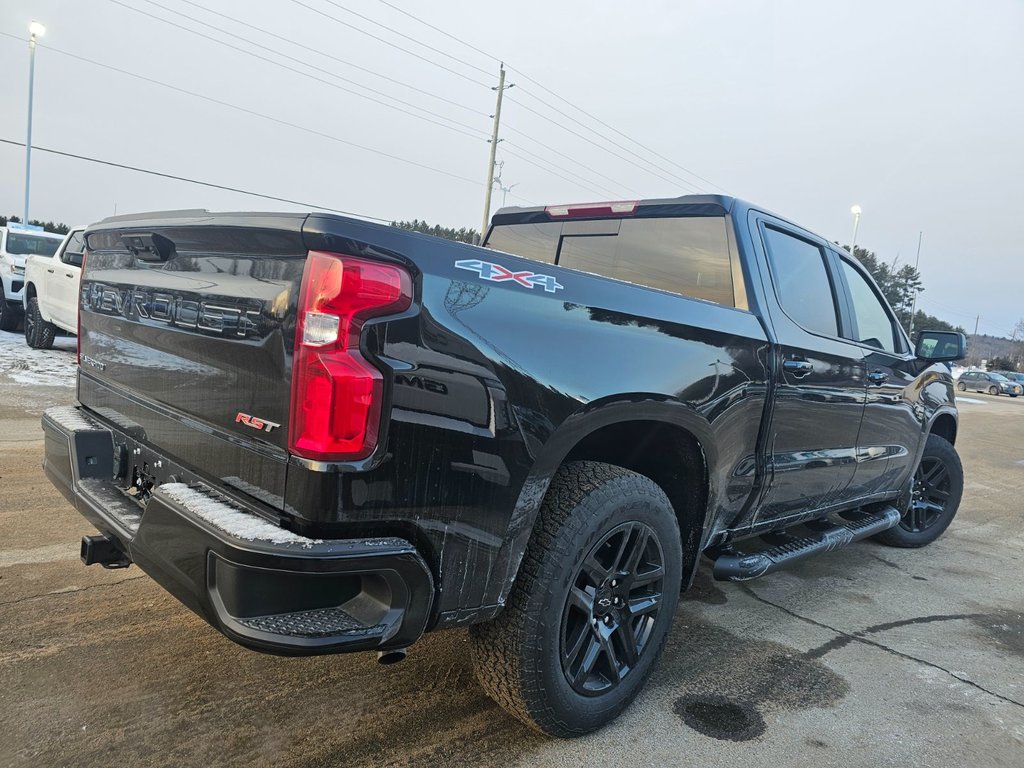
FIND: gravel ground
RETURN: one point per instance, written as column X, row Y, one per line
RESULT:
column 869, row 656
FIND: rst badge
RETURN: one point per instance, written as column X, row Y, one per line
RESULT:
column 251, row 421
column 498, row 274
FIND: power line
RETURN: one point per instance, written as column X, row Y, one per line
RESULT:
column 389, row 43
column 575, row 181
column 448, row 123
column 599, row 146
column 556, row 95
column 253, row 113
column 614, row 143
column 618, row 184
column 193, row 181
column 407, row 37
column 443, row 32
column 612, row 128
column 346, row 62
column 582, row 183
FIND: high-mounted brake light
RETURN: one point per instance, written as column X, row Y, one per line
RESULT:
column 336, row 392
column 592, row 210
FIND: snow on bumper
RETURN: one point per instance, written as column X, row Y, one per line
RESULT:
column 261, row 585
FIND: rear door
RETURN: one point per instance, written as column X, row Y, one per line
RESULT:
column 819, row 399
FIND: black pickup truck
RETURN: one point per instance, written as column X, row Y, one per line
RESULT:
column 325, row 435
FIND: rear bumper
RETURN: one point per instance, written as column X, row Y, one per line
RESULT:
column 259, row 584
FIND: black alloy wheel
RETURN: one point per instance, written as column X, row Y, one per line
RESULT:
column 611, row 609
column 936, row 488
column 931, row 492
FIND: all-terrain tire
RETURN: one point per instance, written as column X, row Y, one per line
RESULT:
column 923, row 523
column 519, row 656
column 39, row 334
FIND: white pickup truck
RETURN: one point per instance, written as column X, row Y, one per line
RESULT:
column 18, row 241
column 51, row 291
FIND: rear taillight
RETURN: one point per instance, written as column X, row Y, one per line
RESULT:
column 336, row 393
column 78, row 320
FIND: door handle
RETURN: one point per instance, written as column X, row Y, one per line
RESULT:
column 69, row 274
column 50, row 271
column 878, row 377
column 798, row 368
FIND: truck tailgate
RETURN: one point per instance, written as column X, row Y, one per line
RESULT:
column 186, row 334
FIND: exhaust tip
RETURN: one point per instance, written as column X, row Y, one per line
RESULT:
column 391, row 657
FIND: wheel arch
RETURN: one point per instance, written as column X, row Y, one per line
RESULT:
column 653, row 435
column 945, row 425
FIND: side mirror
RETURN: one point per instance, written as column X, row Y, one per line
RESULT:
column 74, row 259
column 940, row 346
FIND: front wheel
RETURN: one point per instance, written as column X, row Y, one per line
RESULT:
column 937, row 489
column 592, row 605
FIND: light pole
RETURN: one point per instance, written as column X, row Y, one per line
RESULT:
column 855, row 210
column 35, row 29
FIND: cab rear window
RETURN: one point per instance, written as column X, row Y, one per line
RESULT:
column 688, row 255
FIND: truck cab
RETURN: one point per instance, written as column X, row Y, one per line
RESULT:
column 17, row 243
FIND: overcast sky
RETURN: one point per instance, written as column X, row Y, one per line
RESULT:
column 913, row 110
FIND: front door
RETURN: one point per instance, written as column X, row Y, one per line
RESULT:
column 892, row 427
column 819, row 401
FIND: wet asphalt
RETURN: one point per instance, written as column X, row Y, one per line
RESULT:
column 869, row 656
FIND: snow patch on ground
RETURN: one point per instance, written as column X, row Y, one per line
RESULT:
column 21, row 364
column 239, row 524
column 969, row 400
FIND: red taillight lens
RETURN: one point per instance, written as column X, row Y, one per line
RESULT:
column 336, row 393
column 78, row 320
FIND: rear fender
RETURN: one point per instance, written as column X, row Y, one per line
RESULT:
column 592, row 417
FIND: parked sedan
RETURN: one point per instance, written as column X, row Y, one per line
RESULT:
column 993, row 383
column 1013, row 376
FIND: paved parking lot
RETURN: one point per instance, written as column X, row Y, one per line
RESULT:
column 866, row 657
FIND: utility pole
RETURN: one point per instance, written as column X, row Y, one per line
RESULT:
column 494, row 148
column 913, row 305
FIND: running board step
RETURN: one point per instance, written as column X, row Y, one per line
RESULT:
column 737, row 566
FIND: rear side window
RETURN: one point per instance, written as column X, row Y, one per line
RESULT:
column 688, row 256
column 801, row 281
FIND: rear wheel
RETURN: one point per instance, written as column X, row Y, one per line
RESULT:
column 39, row 334
column 938, row 487
column 961, row 386
column 993, row 391
column 592, row 604
column 9, row 316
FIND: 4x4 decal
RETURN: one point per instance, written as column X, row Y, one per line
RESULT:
column 497, row 274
